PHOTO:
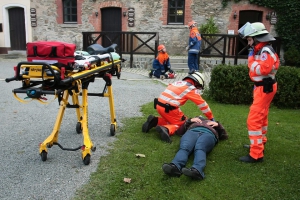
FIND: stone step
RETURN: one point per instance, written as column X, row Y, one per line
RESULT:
column 178, row 60
column 17, row 52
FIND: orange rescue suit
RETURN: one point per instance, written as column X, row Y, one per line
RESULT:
column 176, row 95
column 264, row 63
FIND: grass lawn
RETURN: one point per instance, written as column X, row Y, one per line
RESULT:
column 278, row 177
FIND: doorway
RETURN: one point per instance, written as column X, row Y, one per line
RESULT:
column 17, row 28
column 244, row 17
column 111, row 21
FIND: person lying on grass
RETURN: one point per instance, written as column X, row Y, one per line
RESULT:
column 200, row 136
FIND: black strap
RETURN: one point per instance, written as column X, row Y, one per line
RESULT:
column 262, row 83
column 35, row 51
column 167, row 106
column 53, row 52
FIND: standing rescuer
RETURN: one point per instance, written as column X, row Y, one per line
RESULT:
column 194, row 47
column 263, row 64
column 169, row 102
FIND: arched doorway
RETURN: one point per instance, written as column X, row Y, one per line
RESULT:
column 17, row 31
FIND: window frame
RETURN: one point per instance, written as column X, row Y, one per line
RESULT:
column 175, row 15
column 68, row 11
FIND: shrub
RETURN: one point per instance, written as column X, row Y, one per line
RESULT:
column 292, row 57
column 288, row 92
column 232, row 85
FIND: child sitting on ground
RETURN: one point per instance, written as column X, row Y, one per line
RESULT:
column 161, row 65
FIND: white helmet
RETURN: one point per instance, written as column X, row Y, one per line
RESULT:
column 257, row 30
column 254, row 29
column 197, row 77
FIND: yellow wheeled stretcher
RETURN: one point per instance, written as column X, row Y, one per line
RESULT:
column 40, row 79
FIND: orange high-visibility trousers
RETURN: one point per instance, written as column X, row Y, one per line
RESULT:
column 257, row 121
column 171, row 120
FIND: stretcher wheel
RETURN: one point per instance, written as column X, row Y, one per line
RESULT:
column 87, row 159
column 78, row 128
column 44, row 155
column 93, row 149
column 112, row 129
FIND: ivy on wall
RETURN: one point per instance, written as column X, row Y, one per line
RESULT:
column 288, row 16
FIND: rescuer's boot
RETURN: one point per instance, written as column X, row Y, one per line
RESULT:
column 150, row 123
column 164, row 134
column 249, row 159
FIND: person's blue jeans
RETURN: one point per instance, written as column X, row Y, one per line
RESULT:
column 201, row 143
column 193, row 61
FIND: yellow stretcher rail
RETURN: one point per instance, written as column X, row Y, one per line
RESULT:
column 39, row 79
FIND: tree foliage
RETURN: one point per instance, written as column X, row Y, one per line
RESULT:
column 288, row 15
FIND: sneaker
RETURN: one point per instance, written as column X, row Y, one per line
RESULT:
column 150, row 123
column 192, row 172
column 175, row 75
column 249, row 159
column 164, row 134
column 171, row 170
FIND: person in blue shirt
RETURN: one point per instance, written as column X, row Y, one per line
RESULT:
column 161, row 67
column 193, row 47
column 199, row 135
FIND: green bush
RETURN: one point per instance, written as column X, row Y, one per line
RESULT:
column 292, row 57
column 288, row 92
column 232, row 85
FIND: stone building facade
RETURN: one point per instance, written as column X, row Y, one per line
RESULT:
column 149, row 16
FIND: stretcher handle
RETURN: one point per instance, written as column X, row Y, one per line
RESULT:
column 18, row 69
column 10, row 79
column 38, row 89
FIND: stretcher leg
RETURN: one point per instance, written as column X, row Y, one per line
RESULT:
column 87, row 143
column 76, row 102
column 53, row 137
column 113, row 120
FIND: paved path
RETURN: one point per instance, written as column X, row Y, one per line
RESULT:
column 145, row 73
column 180, row 75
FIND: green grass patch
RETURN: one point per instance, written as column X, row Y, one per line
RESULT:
column 278, row 177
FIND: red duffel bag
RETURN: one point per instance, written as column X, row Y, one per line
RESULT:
column 51, row 52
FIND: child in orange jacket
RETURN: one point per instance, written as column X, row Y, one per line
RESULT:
column 161, row 65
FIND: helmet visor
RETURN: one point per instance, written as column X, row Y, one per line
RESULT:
column 246, row 30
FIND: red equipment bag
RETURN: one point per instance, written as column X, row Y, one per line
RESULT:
column 51, row 52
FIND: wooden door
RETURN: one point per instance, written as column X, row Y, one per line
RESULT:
column 111, row 20
column 17, row 28
column 248, row 16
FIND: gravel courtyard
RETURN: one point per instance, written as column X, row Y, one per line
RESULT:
column 24, row 126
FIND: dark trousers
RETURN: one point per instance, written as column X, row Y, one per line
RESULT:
column 193, row 61
column 197, row 142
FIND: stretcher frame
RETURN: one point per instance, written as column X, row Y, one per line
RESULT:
column 34, row 79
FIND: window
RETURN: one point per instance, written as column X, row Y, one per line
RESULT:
column 70, row 11
column 176, row 11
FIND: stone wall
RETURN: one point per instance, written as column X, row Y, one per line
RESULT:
column 150, row 16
